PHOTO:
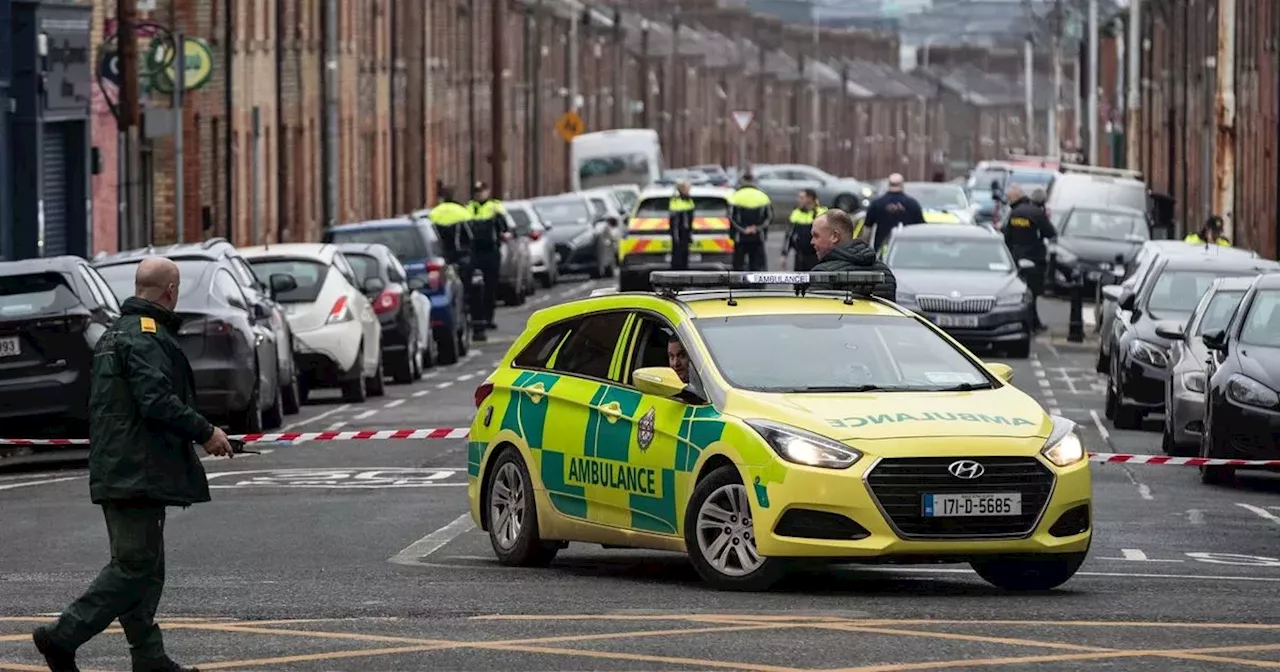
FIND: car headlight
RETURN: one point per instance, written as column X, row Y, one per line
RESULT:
column 1063, row 447
column 1013, row 299
column 583, row 239
column 1193, row 381
column 1247, row 391
column 802, row 447
column 1149, row 353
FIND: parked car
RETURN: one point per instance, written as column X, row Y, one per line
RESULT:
column 963, row 279
column 583, row 242
column 647, row 246
column 52, row 313
column 1184, row 385
column 337, row 336
column 1242, row 414
column 416, row 243
column 627, row 194
column 1093, row 186
column 232, row 344
column 783, row 182
column 515, row 277
column 542, row 254
column 1140, row 356
column 1094, row 242
column 942, row 203
column 717, row 176
column 402, row 309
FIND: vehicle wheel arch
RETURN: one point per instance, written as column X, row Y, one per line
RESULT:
column 491, row 456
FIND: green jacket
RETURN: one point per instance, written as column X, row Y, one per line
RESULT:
column 142, row 423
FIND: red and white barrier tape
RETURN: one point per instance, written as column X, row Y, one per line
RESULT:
column 464, row 432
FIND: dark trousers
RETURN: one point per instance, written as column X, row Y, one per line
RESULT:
column 128, row 588
column 490, row 266
column 679, row 254
column 1034, row 277
column 805, row 261
column 748, row 255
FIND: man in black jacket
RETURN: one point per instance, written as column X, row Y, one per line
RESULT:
column 895, row 208
column 839, row 251
column 1025, row 235
column 141, row 430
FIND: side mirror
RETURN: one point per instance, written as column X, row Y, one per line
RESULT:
column 1002, row 371
column 374, row 285
column 1215, row 340
column 417, row 282
column 1170, row 330
column 260, row 312
column 282, row 282
column 1026, row 264
column 660, row 381
column 1128, row 300
column 1111, row 292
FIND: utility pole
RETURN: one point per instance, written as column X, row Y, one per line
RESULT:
column 1028, row 78
column 1133, row 106
column 1093, row 83
column 331, row 113
column 815, row 145
column 130, row 120
column 498, row 102
column 180, row 127
column 1052, row 143
column 571, row 105
column 1224, row 154
column 471, row 97
column 669, row 85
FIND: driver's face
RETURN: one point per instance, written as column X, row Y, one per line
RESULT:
column 678, row 360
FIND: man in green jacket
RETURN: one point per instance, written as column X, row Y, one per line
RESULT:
column 141, row 460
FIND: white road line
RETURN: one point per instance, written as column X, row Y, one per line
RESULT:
column 445, row 384
column 1195, row 516
column 465, row 377
column 1097, row 422
column 1122, row 575
column 1052, row 349
column 393, row 404
column 14, row 486
column 338, row 425
column 1089, row 319
column 430, row 374
column 313, row 418
column 434, row 541
column 1136, row 555
column 421, row 393
column 1262, row 513
column 367, row 414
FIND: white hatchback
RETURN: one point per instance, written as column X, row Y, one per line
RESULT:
column 337, row 340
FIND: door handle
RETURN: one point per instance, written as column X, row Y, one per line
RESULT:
column 612, row 410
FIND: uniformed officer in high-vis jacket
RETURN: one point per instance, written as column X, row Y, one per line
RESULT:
column 800, row 239
column 680, row 220
column 489, row 230
column 750, row 212
column 1211, row 234
column 453, row 222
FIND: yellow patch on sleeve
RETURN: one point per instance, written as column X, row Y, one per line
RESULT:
column 148, row 325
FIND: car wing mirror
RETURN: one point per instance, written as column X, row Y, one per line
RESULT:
column 282, row 282
column 260, row 312
column 1170, row 330
column 1127, row 299
column 1111, row 292
column 1002, row 371
column 659, row 381
column 1216, row 340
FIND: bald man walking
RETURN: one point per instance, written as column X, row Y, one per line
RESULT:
column 141, row 429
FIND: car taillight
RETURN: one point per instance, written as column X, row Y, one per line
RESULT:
column 386, row 302
column 483, row 392
column 435, row 274
column 340, row 312
column 535, row 234
column 210, row 327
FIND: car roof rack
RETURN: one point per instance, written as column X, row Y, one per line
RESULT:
column 1101, row 170
column 854, row 284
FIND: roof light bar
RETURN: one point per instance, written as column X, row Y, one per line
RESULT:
column 857, row 282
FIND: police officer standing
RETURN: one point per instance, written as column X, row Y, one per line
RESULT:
column 1211, row 234
column 453, row 223
column 141, row 429
column 680, row 220
column 489, row 230
column 800, row 237
column 892, row 210
column 750, row 212
column 1025, row 235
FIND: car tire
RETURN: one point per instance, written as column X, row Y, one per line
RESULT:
column 1101, row 365
column 846, row 202
column 1021, row 349
column 512, row 512
column 546, row 280
column 248, row 421
column 1033, row 573
column 292, row 396
column 355, row 391
column 377, row 383
column 273, row 417
column 404, row 367
column 719, row 493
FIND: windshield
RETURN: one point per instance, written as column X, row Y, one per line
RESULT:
column 36, row 294
column 404, row 241
column 937, row 196
column 981, row 180
column 865, row 352
column 950, row 254
column 1218, row 312
column 1105, row 225
column 520, row 218
column 1262, row 326
column 564, row 211
column 702, row 207
column 1029, row 180
column 1178, row 291
column 604, row 171
column 309, row 274
column 626, row 197
column 119, row 277
column 364, row 265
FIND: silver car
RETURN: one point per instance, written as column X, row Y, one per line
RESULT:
column 783, row 182
column 542, row 254
column 1185, row 383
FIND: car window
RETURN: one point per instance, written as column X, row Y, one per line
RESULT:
column 396, row 270
column 601, row 208
column 1262, row 325
column 1218, row 313
column 243, row 274
column 588, row 351
column 627, row 198
column 309, row 274
column 1178, row 291
column 404, row 241
column 35, row 294
column 950, row 254
column 562, row 211
column 937, row 196
column 365, row 266
column 1105, row 226
column 886, row 352
column 87, row 277
column 543, row 347
column 340, row 263
column 119, row 277
column 703, row 206
column 108, row 296
column 651, row 349
column 521, row 220
column 227, row 289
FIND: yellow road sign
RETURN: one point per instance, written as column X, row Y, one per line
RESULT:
column 569, row 126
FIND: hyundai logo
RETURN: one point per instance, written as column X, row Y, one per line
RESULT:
column 966, row 469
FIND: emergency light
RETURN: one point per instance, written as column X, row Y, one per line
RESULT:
column 861, row 283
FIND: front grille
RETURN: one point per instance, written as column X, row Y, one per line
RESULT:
column 967, row 304
column 900, row 484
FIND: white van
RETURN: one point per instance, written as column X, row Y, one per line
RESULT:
column 621, row 156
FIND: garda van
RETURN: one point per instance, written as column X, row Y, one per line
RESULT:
column 620, row 156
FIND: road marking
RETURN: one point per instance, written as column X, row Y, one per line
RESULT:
column 313, row 418
column 1089, row 319
column 445, row 384
column 1195, row 517
column 465, row 377
column 338, row 425
column 1121, row 575
column 421, row 393
column 430, row 375
column 367, row 414
column 1135, row 555
column 1052, row 349
column 433, row 542
column 1235, row 559
column 14, row 486
column 1262, row 513
column 393, row 404
column 1097, row 422
column 1143, row 490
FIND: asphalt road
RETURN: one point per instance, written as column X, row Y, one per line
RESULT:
column 360, row 556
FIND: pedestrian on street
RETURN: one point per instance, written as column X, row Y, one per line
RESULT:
column 141, row 429
column 1025, row 235
column 1210, row 234
column 1039, row 197
column 750, row 212
column 895, row 208
column 800, row 237
column 839, row 251
column 453, row 223
column 489, row 231
column 680, row 222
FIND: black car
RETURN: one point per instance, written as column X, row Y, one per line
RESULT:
column 1139, row 358
column 402, row 310
column 234, row 345
column 52, row 313
column 583, row 240
column 1096, row 243
column 1242, row 414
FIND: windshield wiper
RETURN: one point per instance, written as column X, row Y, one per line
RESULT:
column 962, row 387
column 847, row 388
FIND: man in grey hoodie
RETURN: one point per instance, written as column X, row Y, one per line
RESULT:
column 839, row 251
